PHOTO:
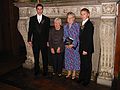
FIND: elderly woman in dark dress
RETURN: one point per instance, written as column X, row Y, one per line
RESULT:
column 56, row 46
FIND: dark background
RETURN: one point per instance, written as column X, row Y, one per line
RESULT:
column 11, row 41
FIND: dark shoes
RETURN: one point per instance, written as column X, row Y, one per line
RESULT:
column 54, row 74
column 59, row 75
column 68, row 76
column 73, row 77
column 45, row 73
column 79, row 81
column 85, row 84
column 37, row 77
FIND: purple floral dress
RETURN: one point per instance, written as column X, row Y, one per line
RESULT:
column 72, row 56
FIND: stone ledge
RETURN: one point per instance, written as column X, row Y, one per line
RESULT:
column 51, row 4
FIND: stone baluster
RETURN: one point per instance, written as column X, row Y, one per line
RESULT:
column 23, row 29
column 107, row 44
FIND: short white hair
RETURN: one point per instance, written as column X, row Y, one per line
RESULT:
column 59, row 20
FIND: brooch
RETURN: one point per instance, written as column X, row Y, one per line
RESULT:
column 82, row 27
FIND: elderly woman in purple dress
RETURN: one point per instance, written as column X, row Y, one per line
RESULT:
column 72, row 57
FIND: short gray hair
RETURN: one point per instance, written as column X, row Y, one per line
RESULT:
column 59, row 20
column 71, row 13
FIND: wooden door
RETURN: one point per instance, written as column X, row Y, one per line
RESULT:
column 117, row 48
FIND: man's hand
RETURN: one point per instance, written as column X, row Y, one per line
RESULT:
column 58, row 50
column 52, row 51
column 30, row 44
column 84, row 53
column 48, row 44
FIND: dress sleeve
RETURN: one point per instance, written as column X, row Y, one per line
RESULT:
column 65, row 33
column 76, row 35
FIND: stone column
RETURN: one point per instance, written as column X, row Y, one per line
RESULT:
column 23, row 29
column 107, row 44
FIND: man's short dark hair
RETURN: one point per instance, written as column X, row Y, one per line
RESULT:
column 85, row 9
column 39, row 5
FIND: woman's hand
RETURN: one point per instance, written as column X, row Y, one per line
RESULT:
column 52, row 51
column 30, row 44
column 70, row 46
column 58, row 50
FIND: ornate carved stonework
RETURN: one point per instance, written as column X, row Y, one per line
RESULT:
column 24, row 0
column 109, row 8
column 107, row 38
column 107, row 43
column 61, row 11
column 24, row 12
column 22, row 27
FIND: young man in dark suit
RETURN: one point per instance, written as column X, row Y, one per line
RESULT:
column 38, row 38
column 86, row 47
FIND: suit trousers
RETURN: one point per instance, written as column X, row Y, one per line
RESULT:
column 44, row 52
column 86, row 68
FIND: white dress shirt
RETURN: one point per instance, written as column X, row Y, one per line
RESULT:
column 39, row 18
column 83, row 22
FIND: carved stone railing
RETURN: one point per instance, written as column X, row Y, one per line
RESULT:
column 103, row 16
column 107, row 43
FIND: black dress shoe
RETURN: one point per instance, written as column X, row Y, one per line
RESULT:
column 85, row 84
column 37, row 77
column 45, row 73
column 59, row 75
column 79, row 81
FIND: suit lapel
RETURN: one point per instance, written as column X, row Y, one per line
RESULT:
column 36, row 20
column 43, row 19
column 84, row 26
column 86, row 23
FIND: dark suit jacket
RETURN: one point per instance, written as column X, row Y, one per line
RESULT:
column 38, row 32
column 86, row 37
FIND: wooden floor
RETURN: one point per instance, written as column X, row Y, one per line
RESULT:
column 18, row 78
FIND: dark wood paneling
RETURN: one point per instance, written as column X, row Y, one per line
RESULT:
column 117, row 49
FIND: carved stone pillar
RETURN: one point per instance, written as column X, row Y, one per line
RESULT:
column 107, row 43
column 22, row 23
column 23, row 29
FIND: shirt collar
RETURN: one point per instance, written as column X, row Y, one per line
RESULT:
column 83, row 22
column 39, row 16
